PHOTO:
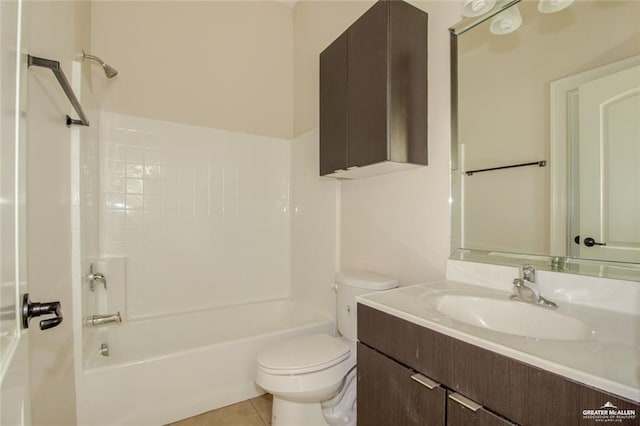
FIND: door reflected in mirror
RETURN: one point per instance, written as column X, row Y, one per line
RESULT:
column 546, row 149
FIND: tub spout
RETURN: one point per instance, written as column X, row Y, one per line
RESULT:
column 95, row 320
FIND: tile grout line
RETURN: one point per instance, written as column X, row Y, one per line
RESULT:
column 264, row 422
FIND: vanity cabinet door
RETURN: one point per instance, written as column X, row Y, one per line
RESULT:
column 462, row 411
column 391, row 394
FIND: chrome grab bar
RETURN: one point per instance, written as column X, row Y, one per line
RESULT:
column 54, row 66
column 96, row 320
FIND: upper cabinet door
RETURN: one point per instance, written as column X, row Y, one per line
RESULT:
column 368, row 78
column 333, row 106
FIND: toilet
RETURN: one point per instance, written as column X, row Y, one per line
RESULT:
column 313, row 378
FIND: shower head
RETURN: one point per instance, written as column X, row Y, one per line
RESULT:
column 109, row 71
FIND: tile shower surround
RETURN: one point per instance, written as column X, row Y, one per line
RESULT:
column 202, row 215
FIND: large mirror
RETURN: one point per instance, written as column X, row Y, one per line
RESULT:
column 546, row 136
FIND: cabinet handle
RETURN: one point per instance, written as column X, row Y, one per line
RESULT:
column 463, row 400
column 425, row 381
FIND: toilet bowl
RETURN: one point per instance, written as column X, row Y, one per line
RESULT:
column 311, row 377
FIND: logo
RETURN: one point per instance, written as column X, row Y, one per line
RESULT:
column 609, row 413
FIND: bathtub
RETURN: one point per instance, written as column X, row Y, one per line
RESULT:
column 168, row 368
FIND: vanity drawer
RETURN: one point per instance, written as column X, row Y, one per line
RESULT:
column 520, row 392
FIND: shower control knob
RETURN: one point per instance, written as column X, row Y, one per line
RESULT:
column 590, row 242
column 35, row 309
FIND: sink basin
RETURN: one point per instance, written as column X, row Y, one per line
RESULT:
column 508, row 316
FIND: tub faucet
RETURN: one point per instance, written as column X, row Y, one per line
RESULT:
column 526, row 289
column 95, row 277
column 94, row 320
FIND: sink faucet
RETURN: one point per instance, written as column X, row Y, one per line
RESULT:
column 525, row 288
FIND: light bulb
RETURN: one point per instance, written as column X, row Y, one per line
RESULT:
column 473, row 8
column 552, row 6
column 506, row 21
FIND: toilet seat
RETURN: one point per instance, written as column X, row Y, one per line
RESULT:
column 303, row 355
column 319, row 382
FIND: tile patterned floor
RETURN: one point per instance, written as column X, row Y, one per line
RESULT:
column 253, row 412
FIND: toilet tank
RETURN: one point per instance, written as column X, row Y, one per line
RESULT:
column 348, row 286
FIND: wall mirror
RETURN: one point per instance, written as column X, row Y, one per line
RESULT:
column 546, row 136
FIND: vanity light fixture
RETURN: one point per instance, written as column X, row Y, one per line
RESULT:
column 473, row 8
column 506, row 21
column 552, row 6
column 509, row 19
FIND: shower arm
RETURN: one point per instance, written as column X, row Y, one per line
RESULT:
column 54, row 66
column 92, row 57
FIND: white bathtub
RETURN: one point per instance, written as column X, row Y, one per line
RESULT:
column 168, row 368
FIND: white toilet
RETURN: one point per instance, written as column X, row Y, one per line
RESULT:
column 312, row 378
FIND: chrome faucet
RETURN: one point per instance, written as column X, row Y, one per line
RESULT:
column 526, row 289
column 95, row 277
column 95, row 320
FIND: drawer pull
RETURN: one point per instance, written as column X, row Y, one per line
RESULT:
column 425, row 381
column 462, row 400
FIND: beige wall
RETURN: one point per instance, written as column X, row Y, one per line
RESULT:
column 398, row 223
column 218, row 64
column 55, row 30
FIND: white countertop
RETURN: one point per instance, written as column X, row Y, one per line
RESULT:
column 609, row 359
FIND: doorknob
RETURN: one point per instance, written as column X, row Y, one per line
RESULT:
column 34, row 309
column 590, row 242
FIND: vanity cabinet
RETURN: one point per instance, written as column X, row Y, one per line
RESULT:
column 373, row 93
column 505, row 390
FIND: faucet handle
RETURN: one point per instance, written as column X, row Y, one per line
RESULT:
column 528, row 272
column 94, row 277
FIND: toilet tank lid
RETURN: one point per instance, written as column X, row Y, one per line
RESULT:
column 366, row 279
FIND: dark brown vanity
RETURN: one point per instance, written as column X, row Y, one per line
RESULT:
column 411, row 375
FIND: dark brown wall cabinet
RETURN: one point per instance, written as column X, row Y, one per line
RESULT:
column 410, row 375
column 373, row 93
